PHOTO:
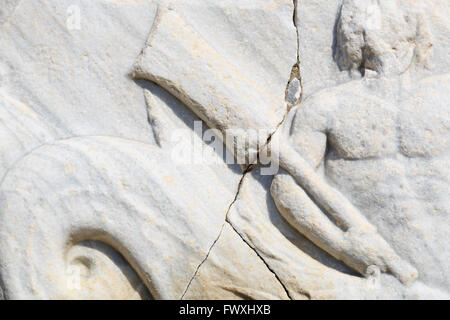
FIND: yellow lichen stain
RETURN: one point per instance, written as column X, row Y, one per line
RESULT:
column 169, row 179
column 69, row 168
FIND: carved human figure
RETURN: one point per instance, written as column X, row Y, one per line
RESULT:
column 386, row 149
column 382, row 142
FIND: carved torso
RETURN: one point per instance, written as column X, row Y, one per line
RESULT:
column 390, row 160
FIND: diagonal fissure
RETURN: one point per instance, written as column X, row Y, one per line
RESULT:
column 248, row 169
column 295, row 73
column 262, row 259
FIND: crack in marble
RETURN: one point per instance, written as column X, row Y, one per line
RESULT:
column 248, row 169
column 295, row 72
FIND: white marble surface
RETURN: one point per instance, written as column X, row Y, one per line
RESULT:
column 352, row 97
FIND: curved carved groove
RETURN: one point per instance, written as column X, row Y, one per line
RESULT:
column 106, row 189
column 98, row 270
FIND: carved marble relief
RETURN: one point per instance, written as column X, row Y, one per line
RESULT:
column 325, row 125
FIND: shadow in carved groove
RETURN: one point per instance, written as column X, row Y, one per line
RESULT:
column 92, row 259
column 182, row 112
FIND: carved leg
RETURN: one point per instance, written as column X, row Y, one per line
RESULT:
column 359, row 248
